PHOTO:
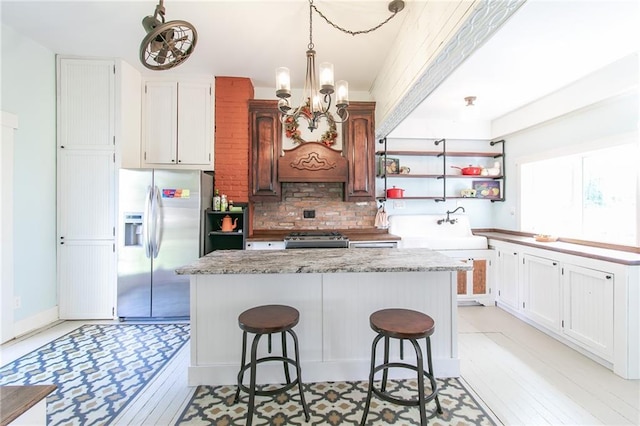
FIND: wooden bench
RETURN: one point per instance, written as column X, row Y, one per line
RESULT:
column 16, row 401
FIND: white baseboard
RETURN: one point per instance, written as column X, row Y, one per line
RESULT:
column 35, row 322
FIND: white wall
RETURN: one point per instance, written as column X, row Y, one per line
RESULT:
column 599, row 110
column 29, row 91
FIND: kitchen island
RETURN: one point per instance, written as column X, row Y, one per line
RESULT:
column 335, row 291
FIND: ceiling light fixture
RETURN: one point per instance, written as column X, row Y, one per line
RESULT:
column 470, row 100
column 316, row 95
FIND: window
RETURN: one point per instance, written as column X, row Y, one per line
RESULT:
column 590, row 196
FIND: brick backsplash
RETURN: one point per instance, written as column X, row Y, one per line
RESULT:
column 327, row 201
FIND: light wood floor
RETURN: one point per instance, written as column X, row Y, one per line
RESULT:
column 524, row 376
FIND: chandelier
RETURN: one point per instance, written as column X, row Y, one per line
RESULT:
column 316, row 95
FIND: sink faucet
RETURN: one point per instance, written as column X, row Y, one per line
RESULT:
column 447, row 220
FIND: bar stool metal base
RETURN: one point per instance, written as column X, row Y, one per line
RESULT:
column 382, row 393
column 253, row 365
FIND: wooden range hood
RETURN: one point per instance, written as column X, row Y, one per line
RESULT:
column 312, row 162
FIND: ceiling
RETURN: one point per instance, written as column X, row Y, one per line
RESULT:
column 544, row 46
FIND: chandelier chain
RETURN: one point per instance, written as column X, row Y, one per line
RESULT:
column 310, row 46
column 344, row 30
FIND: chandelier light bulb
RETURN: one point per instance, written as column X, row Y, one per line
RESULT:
column 283, row 82
column 342, row 93
column 326, row 78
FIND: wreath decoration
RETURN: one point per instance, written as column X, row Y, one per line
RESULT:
column 291, row 125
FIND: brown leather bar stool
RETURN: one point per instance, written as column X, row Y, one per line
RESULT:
column 403, row 324
column 267, row 320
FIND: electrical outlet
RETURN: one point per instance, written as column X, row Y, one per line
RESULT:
column 17, row 302
column 398, row 204
column 309, row 214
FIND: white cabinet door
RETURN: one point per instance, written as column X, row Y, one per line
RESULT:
column 86, row 189
column 194, row 123
column 508, row 277
column 160, row 123
column 541, row 291
column 86, row 97
column 178, row 125
column 588, row 308
column 86, row 192
column 86, row 273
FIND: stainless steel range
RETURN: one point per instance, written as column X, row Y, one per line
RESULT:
column 316, row 239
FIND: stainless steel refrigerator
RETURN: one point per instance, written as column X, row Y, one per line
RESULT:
column 160, row 222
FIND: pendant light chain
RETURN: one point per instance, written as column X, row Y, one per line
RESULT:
column 310, row 46
column 353, row 33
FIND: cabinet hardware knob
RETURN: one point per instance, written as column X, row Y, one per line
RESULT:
column 608, row 277
column 554, row 263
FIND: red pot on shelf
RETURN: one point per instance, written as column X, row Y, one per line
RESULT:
column 395, row 192
column 471, row 170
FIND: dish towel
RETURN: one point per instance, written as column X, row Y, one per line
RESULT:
column 381, row 221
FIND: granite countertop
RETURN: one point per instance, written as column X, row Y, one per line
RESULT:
column 373, row 234
column 322, row 261
column 600, row 253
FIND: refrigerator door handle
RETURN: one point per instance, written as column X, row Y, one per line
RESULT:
column 155, row 230
column 146, row 231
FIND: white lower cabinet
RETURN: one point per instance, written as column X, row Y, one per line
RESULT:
column 582, row 301
column 588, row 308
column 86, row 274
column 508, row 277
column 541, row 291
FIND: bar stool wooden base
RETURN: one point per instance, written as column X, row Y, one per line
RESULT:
column 267, row 320
column 403, row 324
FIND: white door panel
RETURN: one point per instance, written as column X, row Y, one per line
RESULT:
column 86, row 277
column 86, row 104
column 86, row 195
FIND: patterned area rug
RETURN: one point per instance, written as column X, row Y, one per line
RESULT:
column 334, row 403
column 98, row 368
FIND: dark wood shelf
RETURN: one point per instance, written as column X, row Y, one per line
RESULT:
column 475, row 154
column 409, row 175
column 473, row 177
column 442, row 156
column 412, row 153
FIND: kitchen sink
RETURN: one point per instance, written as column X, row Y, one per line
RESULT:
column 424, row 231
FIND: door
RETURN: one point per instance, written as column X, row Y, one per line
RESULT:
column 134, row 256
column 541, row 284
column 194, row 123
column 86, row 232
column 508, row 277
column 176, row 236
column 160, row 123
column 86, row 275
column 588, row 308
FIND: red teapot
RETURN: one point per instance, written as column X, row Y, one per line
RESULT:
column 227, row 225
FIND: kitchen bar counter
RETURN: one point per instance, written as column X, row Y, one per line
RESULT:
column 373, row 234
column 335, row 291
column 320, row 261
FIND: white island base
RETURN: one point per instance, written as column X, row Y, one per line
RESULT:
column 333, row 332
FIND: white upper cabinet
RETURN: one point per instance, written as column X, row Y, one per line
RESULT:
column 178, row 124
column 86, row 104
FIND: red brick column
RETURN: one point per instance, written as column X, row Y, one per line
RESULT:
column 231, row 161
